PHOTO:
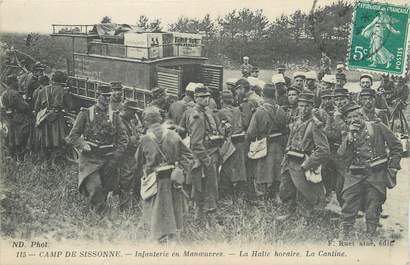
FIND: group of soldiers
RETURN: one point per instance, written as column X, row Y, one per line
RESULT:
column 294, row 143
column 32, row 111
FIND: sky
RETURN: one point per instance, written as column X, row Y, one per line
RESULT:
column 38, row 15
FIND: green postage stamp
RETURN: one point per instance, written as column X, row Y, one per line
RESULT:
column 379, row 38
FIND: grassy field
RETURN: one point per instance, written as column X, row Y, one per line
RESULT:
column 42, row 201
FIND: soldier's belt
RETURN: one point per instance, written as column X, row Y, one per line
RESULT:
column 377, row 161
column 164, row 170
column 238, row 138
column 295, row 154
column 216, row 140
column 274, row 136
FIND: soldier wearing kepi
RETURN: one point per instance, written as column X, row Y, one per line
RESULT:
column 161, row 100
column 233, row 152
column 367, row 99
column 128, row 186
column 32, row 82
column 370, row 169
column 116, row 97
column 340, row 80
column 292, row 108
column 280, row 85
column 102, row 143
column 333, row 169
column 310, row 84
column 299, row 79
column 281, row 70
column 269, row 121
column 16, row 114
column 161, row 156
column 246, row 67
column 50, row 122
column 201, row 127
column 306, row 150
column 178, row 108
column 366, row 82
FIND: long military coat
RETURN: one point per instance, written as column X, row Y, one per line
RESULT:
column 234, row 167
column 312, row 141
column 164, row 211
column 370, row 145
column 93, row 124
column 268, row 119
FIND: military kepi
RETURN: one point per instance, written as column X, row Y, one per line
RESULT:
column 130, row 104
column 368, row 92
column 202, row 91
column 349, row 108
column 307, row 96
column 341, row 92
column 116, row 85
column 104, row 90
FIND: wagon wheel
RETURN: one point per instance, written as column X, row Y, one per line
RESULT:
column 71, row 153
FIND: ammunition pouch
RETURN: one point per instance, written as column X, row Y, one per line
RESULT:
column 164, row 170
column 215, row 141
column 295, row 154
column 99, row 149
column 358, row 169
column 274, row 137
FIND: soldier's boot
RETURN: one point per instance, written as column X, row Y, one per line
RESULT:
column 345, row 232
column 371, row 230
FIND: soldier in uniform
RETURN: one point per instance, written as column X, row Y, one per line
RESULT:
column 299, row 79
column 280, row 85
column 268, row 121
column 161, row 100
column 162, row 151
column 233, row 170
column 366, row 82
column 116, row 97
column 370, row 170
column 400, row 90
column 102, row 143
column 246, row 67
column 281, row 70
column 128, row 186
column 341, row 79
column 249, row 101
column 311, row 84
column 367, row 99
column 332, row 171
column 177, row 108
column 51, row 126
column 255, row 72
column 325, row 65
column 306, row 150
column 32, row 82
column 292, row 108
column 16, row 114
column 201, row 127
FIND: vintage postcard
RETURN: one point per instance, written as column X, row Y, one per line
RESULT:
column 204, row 132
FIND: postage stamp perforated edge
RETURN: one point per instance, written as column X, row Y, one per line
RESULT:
column 406, row 44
